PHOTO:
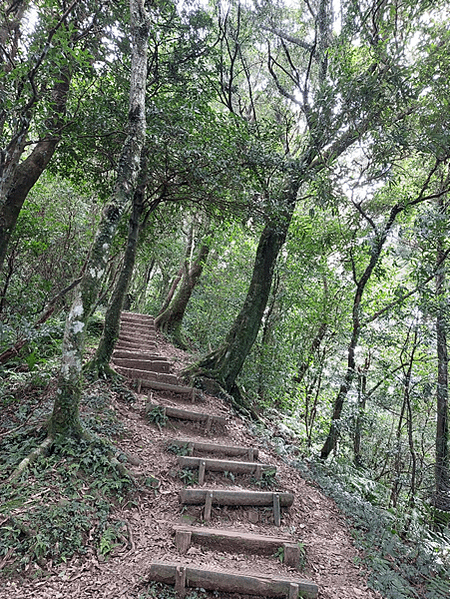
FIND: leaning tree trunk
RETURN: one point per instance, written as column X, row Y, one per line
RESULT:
column 225, row 363
column 65, row 418
column 15, row 185
column 333, row 433
column 169, row 321
column 100, row 363
column 442, row 468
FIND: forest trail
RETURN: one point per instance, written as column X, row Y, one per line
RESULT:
column 225, row 513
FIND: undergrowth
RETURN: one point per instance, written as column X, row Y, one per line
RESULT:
column 63, row 504
column 406, row 559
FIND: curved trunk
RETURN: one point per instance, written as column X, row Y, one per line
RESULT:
column 170, row 320
column 112, row 317
column 18, row 179
column 225, row 364
column 64, row 420
column 333, row 433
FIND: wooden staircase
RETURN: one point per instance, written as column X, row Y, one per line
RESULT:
column 136, row 357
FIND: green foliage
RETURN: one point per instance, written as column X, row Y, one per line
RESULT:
column 188, row 477
column 78, row 514
column 404, row 557
column 178, row 449
column 268, row 479
column 157, row 415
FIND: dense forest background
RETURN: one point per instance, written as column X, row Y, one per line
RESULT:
column 271, row 181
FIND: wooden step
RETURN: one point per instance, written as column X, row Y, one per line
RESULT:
column 194, row 446
column 180, row 414
column 136, row 316
column 136, row 345
column 238, row 542
column 138, row 355
column 209, row 497
column 205, row 464
column 140, row 337
column 160, row 365
column 191, row 392
column 229, row 582
column 145, row 375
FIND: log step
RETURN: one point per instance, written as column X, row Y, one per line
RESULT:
column 204, row 465
column 136, row 316
column 238, row 542
column 228, row 582
column 189, row 415
column 161, row 386
column 136, row 344
column 161, row 365
column 136, row 355
column 142, row 338
column 209, row 497
column 148, row 375
column 191, row 447
column 242, row 498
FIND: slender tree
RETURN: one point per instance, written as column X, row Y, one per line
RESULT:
column 65, row 418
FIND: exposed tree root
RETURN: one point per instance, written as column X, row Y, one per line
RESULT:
column 235, row 398
column 45, row 447
column 41, row 450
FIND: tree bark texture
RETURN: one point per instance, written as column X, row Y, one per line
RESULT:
column 17, row 179
column 169, row 321
column 64, row 420
column 333, row 434
column 226, row 362
column 112, row 316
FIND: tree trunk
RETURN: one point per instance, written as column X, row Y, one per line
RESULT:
column 442, row 468
column 64, row 420
column 333, row 434
column 112, row 317
column 169, row 321
column 226, row 362
column 18, row 179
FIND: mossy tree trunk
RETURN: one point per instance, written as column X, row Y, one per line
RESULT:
column 225, row 363
column 100, row 363
column 65, row 417
column 169, row 320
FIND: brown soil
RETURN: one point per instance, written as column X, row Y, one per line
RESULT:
column 313, row 520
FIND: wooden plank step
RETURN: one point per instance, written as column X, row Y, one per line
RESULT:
column 147, row 375
column 229, row 582
column 160, row 365
column 251, row 453
column 205, row 464
column 160, row 386
column 140, row 354
column 190, row 415
column 238, row 542
column 136, row 345
column 238, row 498
column 138, row 337
column 137, row 316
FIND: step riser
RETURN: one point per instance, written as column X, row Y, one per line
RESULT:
column 230, row 583
column 237, row 498
column 224, row 540
column 224, row 465
column 147, row 375
column 132, row 355
column 127, row 345
column 151, row 365
column 251, row 454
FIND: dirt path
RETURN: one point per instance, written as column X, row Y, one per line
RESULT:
column 313, row 520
